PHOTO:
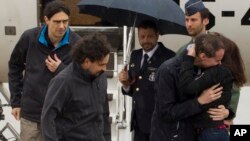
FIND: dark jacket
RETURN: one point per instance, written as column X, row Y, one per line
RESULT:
column 76, row 107
column 28, row 75
column 235, row 90
column 142, row 90
column 191, row 86
column 171, row 118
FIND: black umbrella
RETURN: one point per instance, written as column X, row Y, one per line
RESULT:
column 166, row 13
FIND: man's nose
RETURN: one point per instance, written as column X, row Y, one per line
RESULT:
column 146, row 39
column 61, row 25
column 188, row 23
column 104, row 68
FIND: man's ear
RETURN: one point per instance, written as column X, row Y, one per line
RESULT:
column 46, row 20
column 202, row 56
column 85, row 64
column 205, row 21
column 158, row 34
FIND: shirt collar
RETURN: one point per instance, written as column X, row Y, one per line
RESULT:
column 193, row 38
column 151, row 52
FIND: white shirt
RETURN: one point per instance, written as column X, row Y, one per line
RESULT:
column 150, row 53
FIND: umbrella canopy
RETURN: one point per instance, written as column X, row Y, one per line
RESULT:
column 166, row 13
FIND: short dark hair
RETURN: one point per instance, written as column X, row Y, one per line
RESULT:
column 54, row 7
column 148, row 24
column 93, row 46
column 208, row 44
column 205, row 13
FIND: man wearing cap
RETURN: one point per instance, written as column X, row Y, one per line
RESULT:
column 196, row 20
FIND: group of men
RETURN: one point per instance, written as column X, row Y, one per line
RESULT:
column 62, row 94
column 155, row 96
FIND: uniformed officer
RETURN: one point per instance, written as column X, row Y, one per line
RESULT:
column 138, row 81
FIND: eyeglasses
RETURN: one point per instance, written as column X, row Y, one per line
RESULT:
column 61, row 21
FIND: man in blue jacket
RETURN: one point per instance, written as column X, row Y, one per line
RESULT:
column 38, row 56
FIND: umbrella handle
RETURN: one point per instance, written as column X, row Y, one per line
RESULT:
column 125, row 67
column 128, row 47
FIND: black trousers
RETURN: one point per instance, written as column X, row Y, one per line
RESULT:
column 140, row 136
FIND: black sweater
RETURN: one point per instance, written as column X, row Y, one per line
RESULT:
column 191, row 86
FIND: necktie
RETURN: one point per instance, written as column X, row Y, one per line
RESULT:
column 145, row 62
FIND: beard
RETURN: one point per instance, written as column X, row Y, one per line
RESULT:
column 147, row 46
column 195, row 32
column 94, row 76
column 99, row 73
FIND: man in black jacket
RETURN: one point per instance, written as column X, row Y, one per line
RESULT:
column 38, row 56
column 76, row 104
column 138, row 81
column 173, row 113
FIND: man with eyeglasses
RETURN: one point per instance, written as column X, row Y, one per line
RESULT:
column 38, row 56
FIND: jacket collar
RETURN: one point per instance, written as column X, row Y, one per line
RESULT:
column 159, row 49
column 83, row 73
column 42, row 37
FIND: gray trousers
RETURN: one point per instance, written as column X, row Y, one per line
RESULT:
column 30, row 131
